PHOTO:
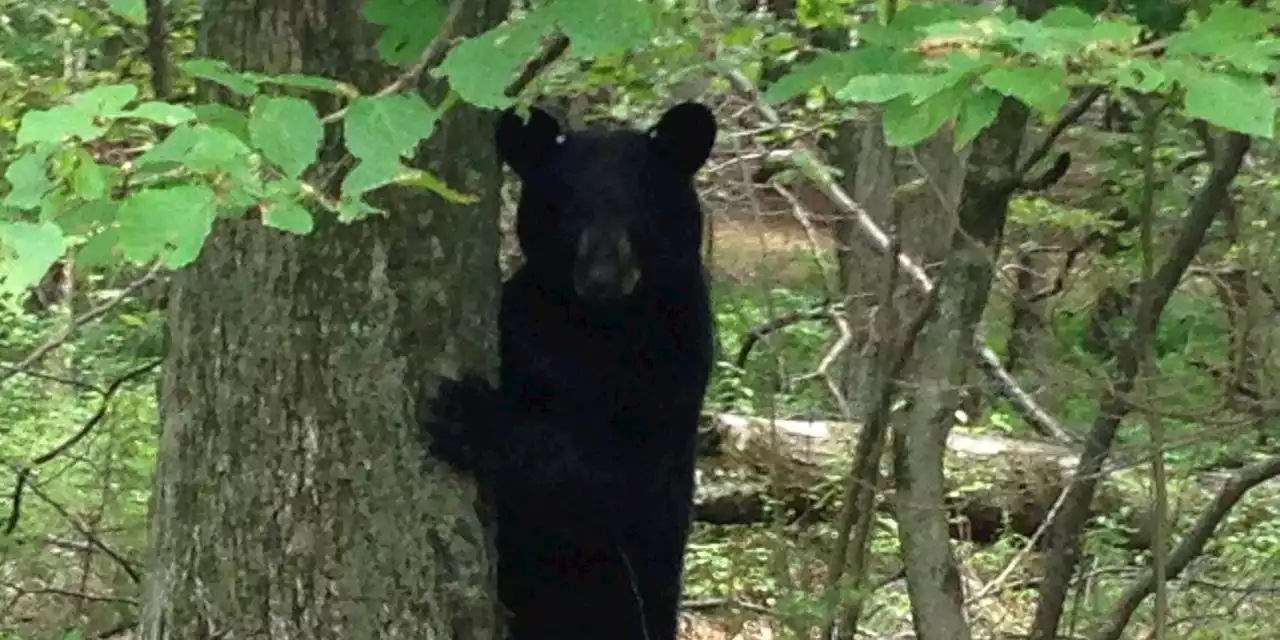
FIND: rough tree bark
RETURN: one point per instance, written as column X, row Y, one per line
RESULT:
column 943, row 370
column 292, row 497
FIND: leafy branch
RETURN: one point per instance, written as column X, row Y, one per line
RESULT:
column 430, row 57
column 217, row 162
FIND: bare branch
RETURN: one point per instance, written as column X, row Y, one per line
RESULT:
column 1191, row 545
column 1114, row 405
column 1069, row 118
column 24, row 472
column 725, row 603
column 761, row 331
column 83, row 530
column 431, row 56
column 79, row 321
column 40, row 375
column 551, row 51
column 1023, row 402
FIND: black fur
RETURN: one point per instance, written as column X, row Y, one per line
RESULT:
column 606, row 350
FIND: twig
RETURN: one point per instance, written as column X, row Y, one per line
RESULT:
column 1124, row 222
column 1025, row 551
column 77, row 322
column 802, row 215
column 431, row 56
column 40, row 375
column 842, row 344
column 725, row 603
column 77, row 595
column 551, row 51
column 854, row 526
column 1192, row 543
column 118, row 630
column 1114, row 403
column 84, row 531
column 24, row 473
column 762, row 330
column 1030, row 410
column 1069, row 118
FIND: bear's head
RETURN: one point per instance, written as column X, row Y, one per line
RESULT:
column 605, row 212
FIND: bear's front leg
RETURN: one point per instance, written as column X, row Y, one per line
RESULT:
column 460, row 422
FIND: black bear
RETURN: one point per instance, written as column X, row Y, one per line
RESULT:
column 606, row 349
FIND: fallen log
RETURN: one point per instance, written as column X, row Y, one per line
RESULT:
column 751, row 467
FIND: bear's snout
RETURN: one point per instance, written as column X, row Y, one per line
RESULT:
column 605, row 267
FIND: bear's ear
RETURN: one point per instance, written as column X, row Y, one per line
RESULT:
column 524, row 145
column 685, row 134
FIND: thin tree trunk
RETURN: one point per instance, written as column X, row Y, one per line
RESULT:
column 292, row 497
column 943, row 357
column 1064, row 534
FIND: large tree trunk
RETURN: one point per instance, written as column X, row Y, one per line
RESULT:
column 292, row 498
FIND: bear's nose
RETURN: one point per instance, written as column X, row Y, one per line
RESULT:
column 604, row 267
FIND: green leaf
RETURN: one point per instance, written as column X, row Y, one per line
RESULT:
column 387, row 126
column 1066, row 17
column 1115, row 32
column 134, row 11
column 370, row 174
column 287, row 131
column 57, row 125
column 1162, row 17
column 84, row 217
column 162, row 113
column 219, row 115
column 220, row 72
column 35, row 247
column 408, row 26
column 778, row 43
column 918, row 15
column 104, row 99
column 170, row 222
column 598, row 27
column 906, row 124
column 101, row 249
column 479, row 68
column 1230, row 101
column 420, row 178
column 876, row 88
column 740, row 35
column 825, row 69
column 287, row 215
column 201, row 148
column 313, row 83
column 351, row 209
column 172, row 150
column 1227, row 25
column 977, row 112
column 89, row 180
column 1139, row 74
column 802, row 78
column 958, row 67
column 28, row 178
column 894, row 36
column 1042, row 88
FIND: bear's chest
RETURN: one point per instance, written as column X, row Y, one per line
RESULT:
column 623, row 365
column 618, row 364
